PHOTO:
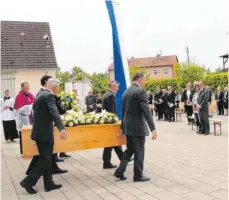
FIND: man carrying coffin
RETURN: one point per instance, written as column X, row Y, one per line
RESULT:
column 45, row 113
column 109, row 104
column 135, row 117
column 55, row 169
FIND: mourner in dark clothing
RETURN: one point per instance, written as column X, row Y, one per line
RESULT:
column 187, row 99
column 210, row 94
column 109, row 104
column 90, row 102
column 99, row 103
column 203, row 109
column 163, row 105
column 55, row 168
column 170, row 100
column 45, row 114
column 225, row 99
column 157, row 104
column 135, row 117
column 219, row 97
column 150, row 99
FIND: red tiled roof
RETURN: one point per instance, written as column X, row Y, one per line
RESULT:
column 151, row 61
column 23, row 45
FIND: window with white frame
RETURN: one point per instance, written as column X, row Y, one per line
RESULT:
column 156, row 72
column 166, row 71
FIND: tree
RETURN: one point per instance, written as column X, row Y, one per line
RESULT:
column 63, row 77
column 77, row 74
column 137, row 69
column 188, row 73
column 99, row 82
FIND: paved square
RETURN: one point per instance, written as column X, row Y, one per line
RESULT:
column 182, row 165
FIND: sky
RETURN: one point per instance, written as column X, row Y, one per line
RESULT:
column 82, row 35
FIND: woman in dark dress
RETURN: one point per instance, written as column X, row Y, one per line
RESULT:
column 8, row 117
column 99, row 103
column 187, row 99
column 226, row 100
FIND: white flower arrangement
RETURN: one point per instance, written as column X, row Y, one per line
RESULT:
column 73, row 118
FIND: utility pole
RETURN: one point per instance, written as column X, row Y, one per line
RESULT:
column 188, row 58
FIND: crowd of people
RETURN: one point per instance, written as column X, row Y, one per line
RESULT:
column 196, row 101
column 138, row 106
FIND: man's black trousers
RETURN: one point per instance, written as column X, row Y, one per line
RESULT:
column 135, row 146
column 43, row 166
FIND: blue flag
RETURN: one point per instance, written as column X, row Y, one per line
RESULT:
column 121, row 69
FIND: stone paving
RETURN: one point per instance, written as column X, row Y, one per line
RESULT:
column 182, row 165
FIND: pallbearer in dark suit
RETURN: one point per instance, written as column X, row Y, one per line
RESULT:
column 56, row 169
column 45, row 114
column 135, row 116
column 171, row 104
column 109, row 104
column 219, row 97
column 187, row 99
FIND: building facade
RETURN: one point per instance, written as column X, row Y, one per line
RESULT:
column 27, row 53
column 158, row 67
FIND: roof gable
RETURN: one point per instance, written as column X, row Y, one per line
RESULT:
column 23, row 45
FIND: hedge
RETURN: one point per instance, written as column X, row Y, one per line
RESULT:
column 216, row 80
column 162, row 83
column 212, row 80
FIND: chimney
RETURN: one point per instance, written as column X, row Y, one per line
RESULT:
column 158, row 56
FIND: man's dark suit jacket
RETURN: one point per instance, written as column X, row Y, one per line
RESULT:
column 109, row 102
column 170, row 98
column 45, row 113
column 157, row 96
column 210, row 96
column 136, row 112
column 184, row 97
column 220, row 97
column 203, row 99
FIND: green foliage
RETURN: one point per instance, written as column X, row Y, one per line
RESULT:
column 216, row 79
column 63, row 77
column 188, row 73
column 77, row 74
column 163, row 84
column 212, row 80
column 137, row 69
column 99, row 82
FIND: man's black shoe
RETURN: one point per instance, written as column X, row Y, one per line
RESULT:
column 59, row 171
column 29, row 188
column 59, row 160
column 207, row 133
column 53, row 187
column 120, row 176
column 64, row 155
column 141, row 179
column 109, row 166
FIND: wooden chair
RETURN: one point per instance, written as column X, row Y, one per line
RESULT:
column 215, row 123
column 179, row 112
column 192, row 119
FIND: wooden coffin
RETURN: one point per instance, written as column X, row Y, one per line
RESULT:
column 79, row 138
